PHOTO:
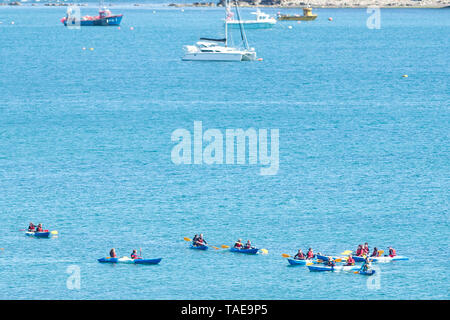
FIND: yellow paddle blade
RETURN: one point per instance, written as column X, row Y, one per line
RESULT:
column 356, row 272
column 346, row 252
column 285, row 255
column 319, row 261
column 338, row 260
column 309, row 264
column 225, row 246
column 187, row 239
column 54, row 232
column 215, row 247
column 380, row 252
column 264, row 251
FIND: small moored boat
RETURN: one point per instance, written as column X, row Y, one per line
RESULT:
column 104, row 18
column 307, row 16
column 262, row 21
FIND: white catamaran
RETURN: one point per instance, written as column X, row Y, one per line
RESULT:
column 208, row 49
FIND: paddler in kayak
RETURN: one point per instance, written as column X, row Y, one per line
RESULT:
column 200, row 241
column 31, row 227
column 350, row 261
column 112, row 253
column 248, row 245
column 330, row 262
column 300, row 255
column 310, row 254
column 392, row 252
column 39, row 228
column 238, row 244
column 375, row 252
column 134, row 255
column 366, row 265
column 359, row 251
column 366, row 249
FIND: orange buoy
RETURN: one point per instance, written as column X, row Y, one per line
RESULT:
column 330, row 19
column 260, row 59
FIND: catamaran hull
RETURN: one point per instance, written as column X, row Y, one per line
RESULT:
column 251, row 25
column 211, row 56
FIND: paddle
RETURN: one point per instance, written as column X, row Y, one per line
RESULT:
column 190, row 240
column 346, row 252
column 54, row 232
column 264, row 251
column 225, row 246
column 285, row 255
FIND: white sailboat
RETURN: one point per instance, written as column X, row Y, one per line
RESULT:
column 208, row 49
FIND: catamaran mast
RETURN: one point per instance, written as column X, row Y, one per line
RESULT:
column 241, row 26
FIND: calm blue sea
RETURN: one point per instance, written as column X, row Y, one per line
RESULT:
column 85, row 145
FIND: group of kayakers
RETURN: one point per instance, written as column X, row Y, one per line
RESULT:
column 34, row 228
column 363, row 250
column 134, row 254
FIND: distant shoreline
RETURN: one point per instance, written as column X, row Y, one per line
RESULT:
column 331, row 4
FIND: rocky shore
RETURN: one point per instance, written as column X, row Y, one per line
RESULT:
column 328, row 3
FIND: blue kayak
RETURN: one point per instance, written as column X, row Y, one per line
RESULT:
column 129, row 260
column 198, row 247
column 325, row 258
column 38, row 234
column 334, row 269
column 367, row 273
column 247, row 251
column 295, row 262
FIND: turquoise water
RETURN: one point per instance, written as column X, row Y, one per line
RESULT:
column 85, row 144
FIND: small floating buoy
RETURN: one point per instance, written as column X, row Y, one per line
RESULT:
column 118, row 28
column 131, row 28
column 405, row 76
column 92, row 49
column 290, row 27
column 330, row 19
column 12, row 22
column 260, row 59
column 84, row 48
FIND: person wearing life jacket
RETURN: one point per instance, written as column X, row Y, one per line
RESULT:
column 238, row 244
column 39, row 228
column 248, row 245
column 350, row 261
column 195, row 239
column 366, row 249
column 299, row 255
column 112, row 253
column 310, row 254
column 359, row 251
column 31, row 227
column 134, row 255
column 200, row 241
column 366, row 265
column 330, row 262
column 392, row 252
column 375, row 252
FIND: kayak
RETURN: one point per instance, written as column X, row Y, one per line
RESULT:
column 294, row 262
column 45, row 234
column 382, row 259
column 198, row 247
column 334, row 269
column 248, row 251
column 367, row 273
column 129, row 260
column 325, row 258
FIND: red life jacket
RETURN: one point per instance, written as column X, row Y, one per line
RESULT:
column 310, row 255
column 359, row 252
column 350, row 261
column 238, row 244
column 39, row 229
column 392, row 253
